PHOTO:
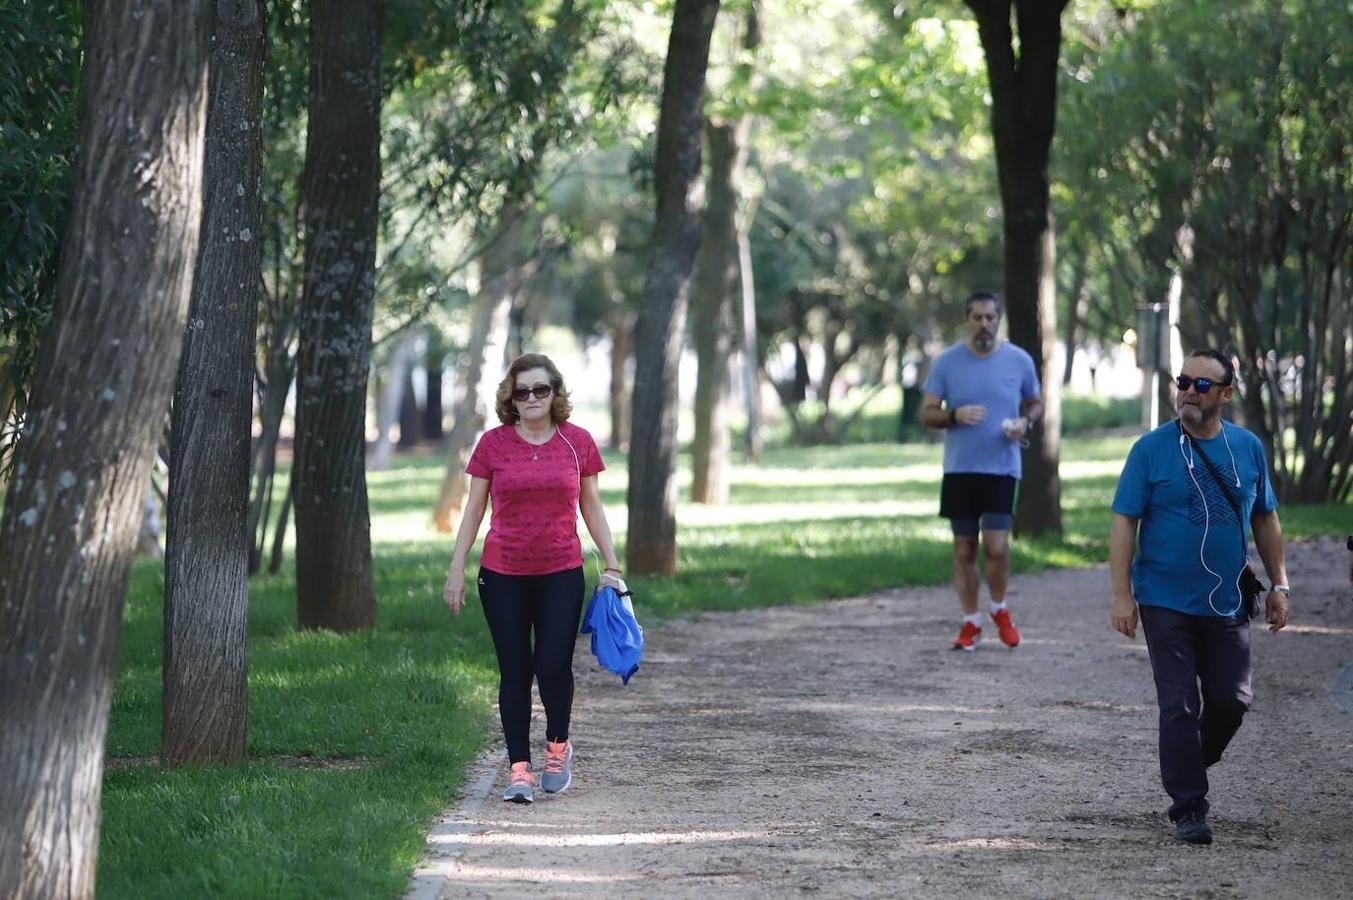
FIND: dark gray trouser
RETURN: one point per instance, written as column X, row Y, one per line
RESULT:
column 1185, row 651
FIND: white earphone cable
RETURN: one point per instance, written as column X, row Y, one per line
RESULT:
column 1207, row 521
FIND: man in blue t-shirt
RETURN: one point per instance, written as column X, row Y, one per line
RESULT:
column 984, row 392
column 1187, row 492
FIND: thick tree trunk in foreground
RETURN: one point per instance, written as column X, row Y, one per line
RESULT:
column 1023, row 119
column 206, row 570
column 103, row 379
column 651, row 538
column 339, row 193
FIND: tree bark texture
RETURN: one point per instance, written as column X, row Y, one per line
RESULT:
column 340, row 188
column 651, row 542
column 711, row 314
column 102, row 382
column 1023, row 119
column 484, row 364
column 206, row 571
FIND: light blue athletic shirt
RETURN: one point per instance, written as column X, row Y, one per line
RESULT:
column 1176, row 510
column 1000, row 381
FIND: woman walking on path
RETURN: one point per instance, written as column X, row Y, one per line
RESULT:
column 540, row 471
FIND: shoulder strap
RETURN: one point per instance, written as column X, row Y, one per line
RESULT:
column 1221, row 484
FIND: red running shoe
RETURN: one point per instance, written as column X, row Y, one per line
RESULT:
column 1005, row 627
column 968, row 637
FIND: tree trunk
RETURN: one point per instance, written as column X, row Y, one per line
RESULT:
column 340, row 190
column 651, row 542
column 1076, row 313
column 711, row 289
column 410, row 414
column 620, row 354
column 206, row 570
column 434, row 362
column 484, row 369
column 751, row 362
column 280, row 536
column 390, row 401
column 1023, row 119
column 279, row 371
column 102, row 382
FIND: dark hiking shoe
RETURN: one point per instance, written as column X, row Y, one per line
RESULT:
column 1192, row 828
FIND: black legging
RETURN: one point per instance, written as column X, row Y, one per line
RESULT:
column 514, row 605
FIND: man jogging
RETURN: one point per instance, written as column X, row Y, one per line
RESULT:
column 1187, row 494
column 984, row 392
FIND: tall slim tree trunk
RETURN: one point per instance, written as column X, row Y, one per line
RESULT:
column 340, row 189
column 1023, row 119
column 717, row 267
column 410, row 413
column 484, row 366
column 390, row 400
column 432, row 409
column 206, row 569
column 619, row 394
column 651, row 542
column 751, row 363
column 711, row 287
column 279, row 372
column 102, row 382
column 1076, row 312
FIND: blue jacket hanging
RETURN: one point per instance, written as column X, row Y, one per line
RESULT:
column 617, row 639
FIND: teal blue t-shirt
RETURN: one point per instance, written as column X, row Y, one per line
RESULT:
column 1189, row 554
column 1001, row 381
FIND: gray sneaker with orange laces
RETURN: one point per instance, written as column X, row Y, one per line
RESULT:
column 558, row 767
column 520, row 784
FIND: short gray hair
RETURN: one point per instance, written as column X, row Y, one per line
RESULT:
column 983, row 297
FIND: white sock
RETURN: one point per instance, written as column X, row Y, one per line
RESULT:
column 974, row 619
column 997, row 607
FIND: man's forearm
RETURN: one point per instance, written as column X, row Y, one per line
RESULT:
column 1268, row 540
column 1033, row 410
column 936, row 417
column 1122, row 544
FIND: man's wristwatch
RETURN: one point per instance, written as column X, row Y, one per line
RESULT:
column 1282, row 588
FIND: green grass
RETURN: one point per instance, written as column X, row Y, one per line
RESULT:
column 388, row 720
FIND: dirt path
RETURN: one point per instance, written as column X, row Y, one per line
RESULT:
column 840, row 749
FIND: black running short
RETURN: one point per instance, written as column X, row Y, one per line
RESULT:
column 967, row 496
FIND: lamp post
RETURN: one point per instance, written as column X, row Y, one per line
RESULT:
column 1153, row 355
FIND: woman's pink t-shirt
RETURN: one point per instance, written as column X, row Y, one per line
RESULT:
column 534, row 489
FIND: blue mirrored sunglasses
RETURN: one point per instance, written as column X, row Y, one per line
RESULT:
column 1201, row 385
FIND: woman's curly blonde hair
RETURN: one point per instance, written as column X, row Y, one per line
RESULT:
column 560, row 407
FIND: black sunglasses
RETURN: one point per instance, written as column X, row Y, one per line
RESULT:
column 1202, row 385
column 540, row 392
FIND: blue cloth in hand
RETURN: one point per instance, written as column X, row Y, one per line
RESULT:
column 617, row 639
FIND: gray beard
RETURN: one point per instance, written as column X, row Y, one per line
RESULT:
column 983, row 342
